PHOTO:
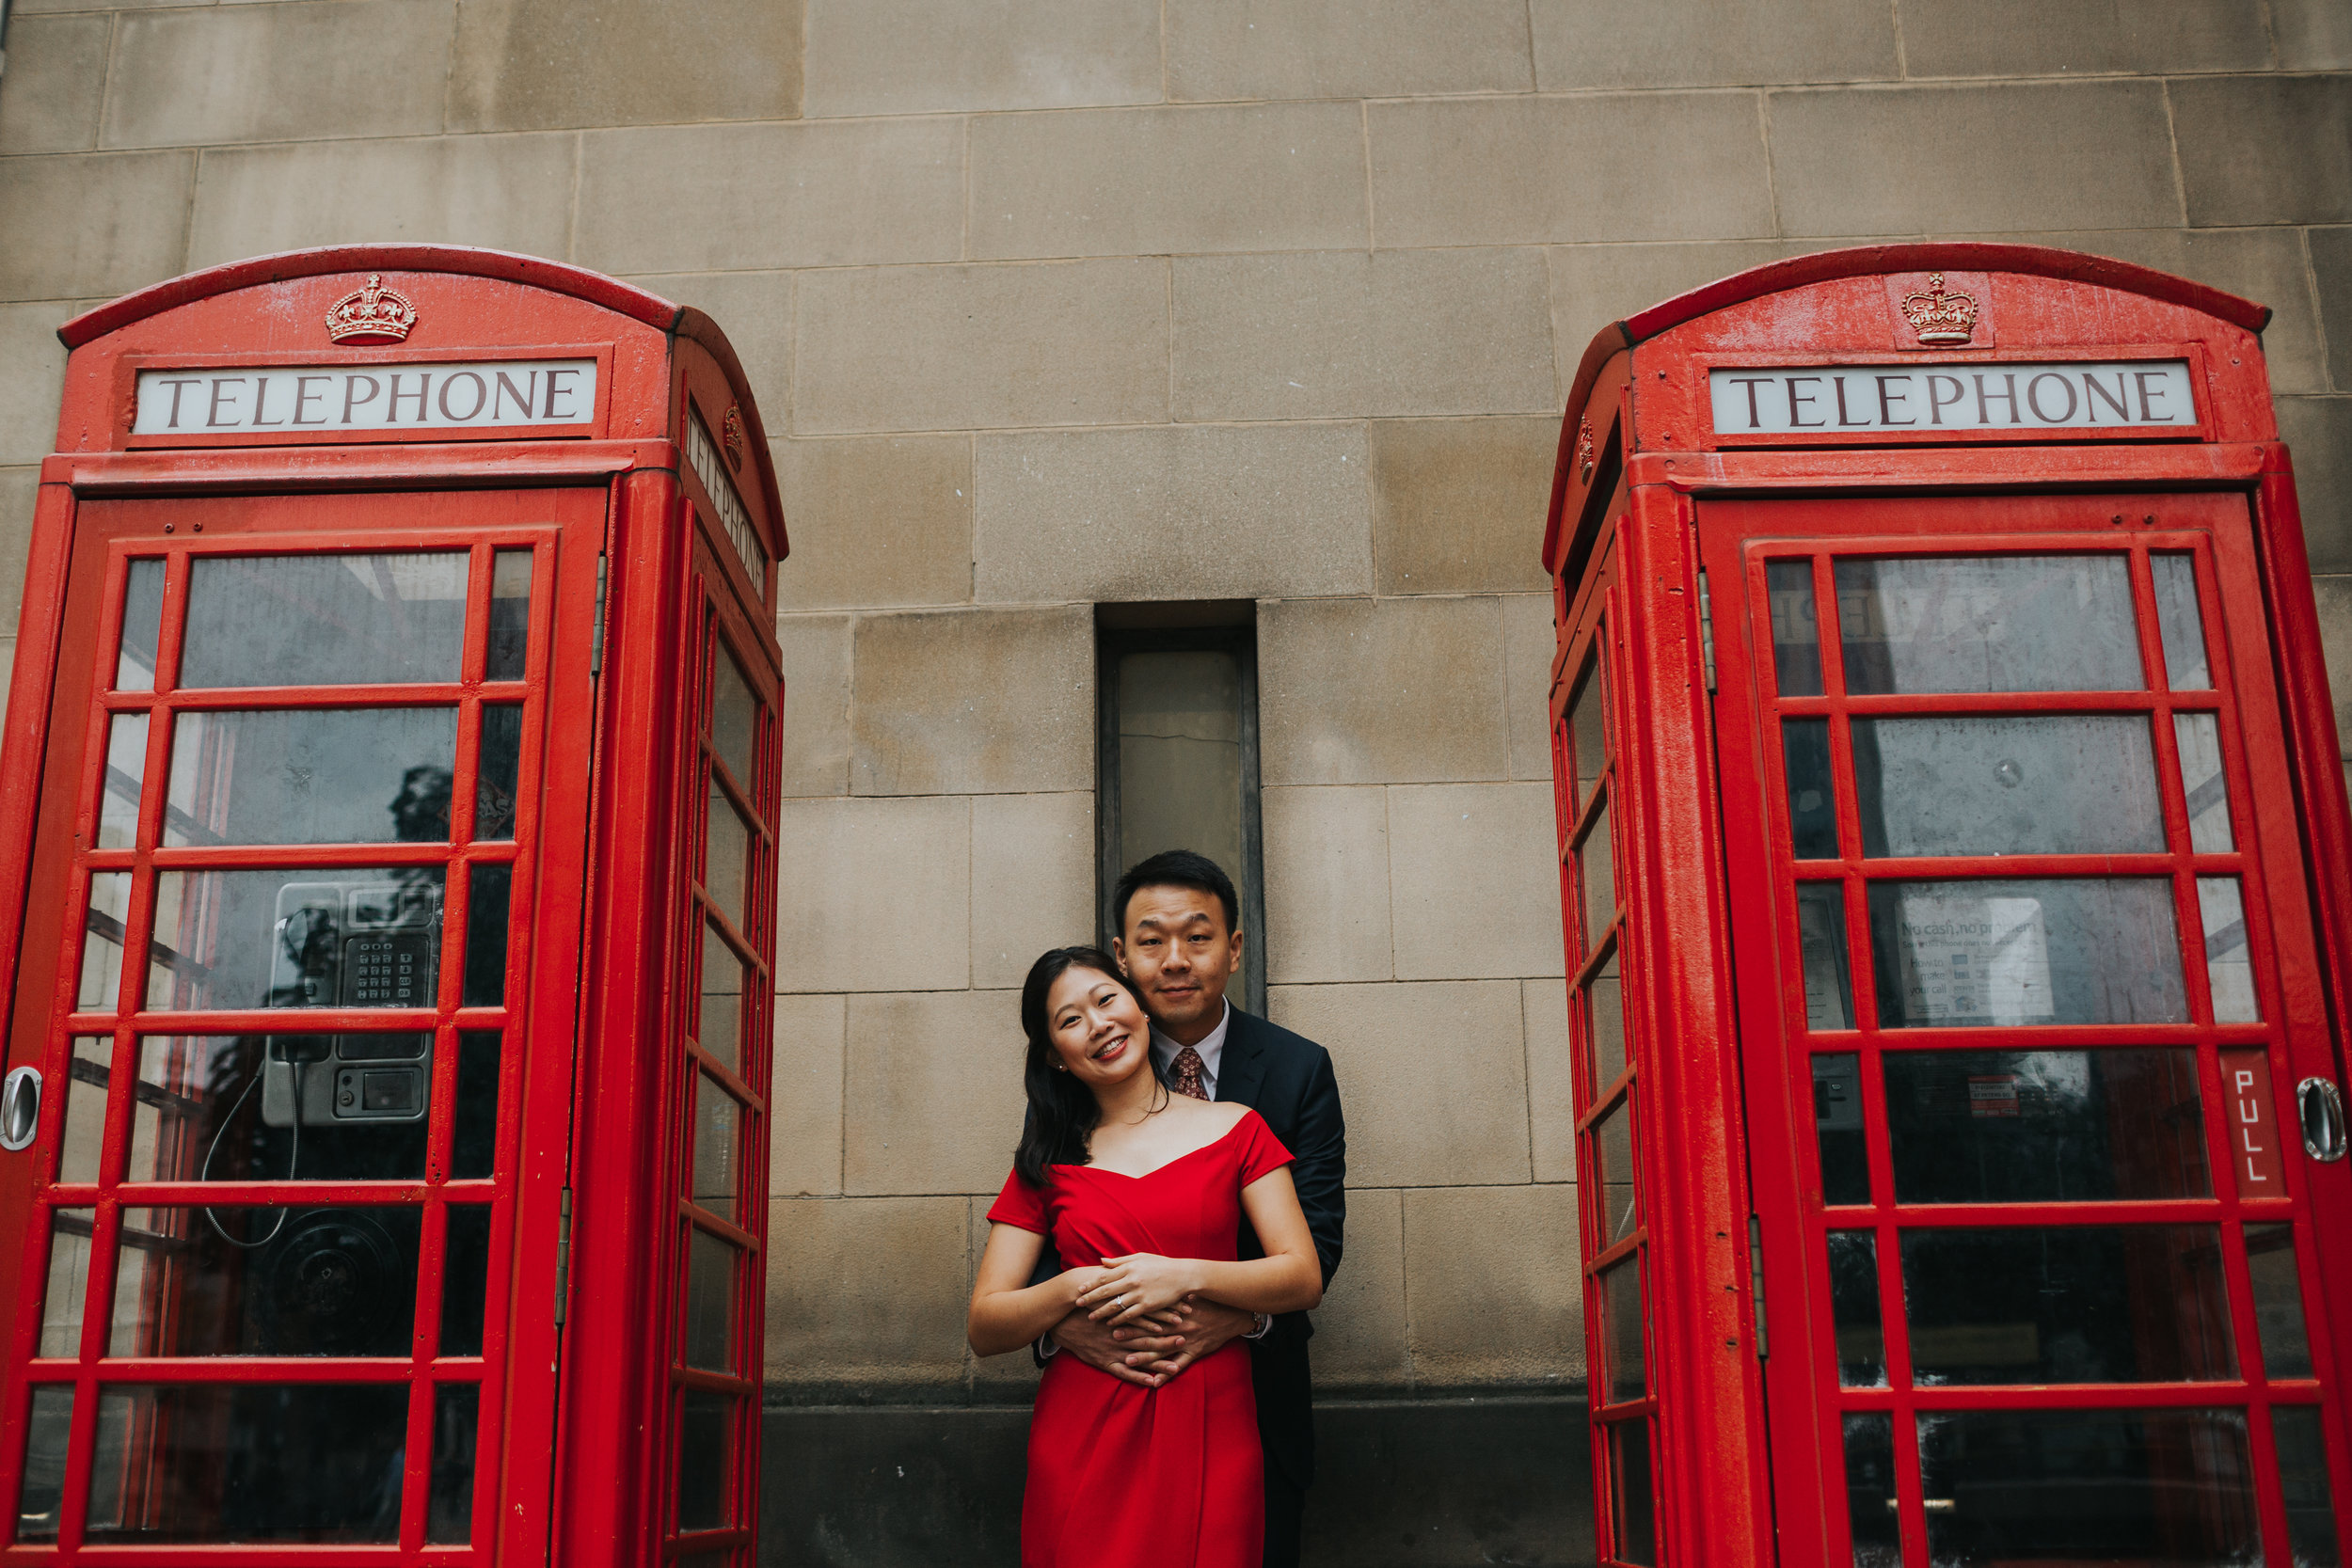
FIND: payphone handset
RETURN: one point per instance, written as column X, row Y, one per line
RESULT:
column 352, row 943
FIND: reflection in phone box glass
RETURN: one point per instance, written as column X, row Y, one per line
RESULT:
column 373, row 943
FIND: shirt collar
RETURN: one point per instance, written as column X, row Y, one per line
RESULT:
column 1212, row 1048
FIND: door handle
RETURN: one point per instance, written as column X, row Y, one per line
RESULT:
column 20, row 1109
column 2320, row 1109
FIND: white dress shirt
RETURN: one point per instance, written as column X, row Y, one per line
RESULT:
column 1212, row 1048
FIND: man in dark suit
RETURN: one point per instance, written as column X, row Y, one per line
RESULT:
column 1179, row 941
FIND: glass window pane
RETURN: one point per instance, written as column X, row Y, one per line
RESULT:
column 85, row 1108
column 718, row 1137
column 1854, row 1303
column 2180, row 623
column 1588, row 728
column 486, row 928
column 103, row 929
column 1596, row 872
column 1605, row 1014
column 734, row 717
column 2303, row 1477
column 349, row 938
column 456, row 1422
column 2011, row 623
column 40, row 1491
column 709, row 1302
column 249, row 1280
column 721, row 1030
column 2228, row 963
column 1627, row 1369
column 2199, row 735
column 2147, row 1487
column 473, row 1138
column 1993, row 954
column 126, row 766
column 727, row 852
column 1635, row 1492
column 367, row 775
column 1180, row 762
column 221, row 1108
column 2046, row 1126
column 508, row 655
column 324, row 619
column 2074, row 1304
column 310, row 1462
column 500, row 770
column 1838, row 1124
column 1812, row 792
column 1612, row 1168
column 1821, row 949
column 466, row 1280
column 2278, row 1300
column 1796, row 629
column 706, row 1451
column 142, row 626
column 1878, row 1540
column 67, row 1285
column 2008, row 784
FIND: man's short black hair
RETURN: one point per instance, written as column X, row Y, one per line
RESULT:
column 1176, row 868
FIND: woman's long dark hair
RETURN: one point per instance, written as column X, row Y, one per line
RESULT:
column 1062, row 1111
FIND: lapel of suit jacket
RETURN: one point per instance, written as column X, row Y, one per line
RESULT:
column 1241, row 1070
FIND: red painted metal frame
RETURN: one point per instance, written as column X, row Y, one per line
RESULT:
column 2212, row 528
column 579, row 1470
column 719, row 629
column 112, row 533
column 1638, row 408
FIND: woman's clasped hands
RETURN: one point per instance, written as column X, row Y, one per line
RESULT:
column 1139, row 1287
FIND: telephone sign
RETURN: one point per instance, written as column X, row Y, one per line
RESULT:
column 490, row 394
column 1889, row 398
column 1959, row 915
column 387, row 807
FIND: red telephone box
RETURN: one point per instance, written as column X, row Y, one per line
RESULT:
column 1954, row 861
column 385, row 853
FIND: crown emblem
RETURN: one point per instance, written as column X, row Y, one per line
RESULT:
column 731, row 436
column 1584, row 451
column 1941, row 317
column 371, row 314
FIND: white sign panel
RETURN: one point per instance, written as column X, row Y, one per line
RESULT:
column 254, row 399
column 702, row 454
column 1777, row 399
column 1966, row 958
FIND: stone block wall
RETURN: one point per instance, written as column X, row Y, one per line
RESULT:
column 1054, row 302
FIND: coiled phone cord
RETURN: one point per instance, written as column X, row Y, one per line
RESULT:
column 294, row 1156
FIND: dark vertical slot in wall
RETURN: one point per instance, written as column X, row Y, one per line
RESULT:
column 1177, row 753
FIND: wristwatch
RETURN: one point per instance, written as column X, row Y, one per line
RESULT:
column 1265, row 1325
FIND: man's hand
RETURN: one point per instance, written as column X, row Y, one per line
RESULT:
column 1141, row 1354
column 1204, row 1328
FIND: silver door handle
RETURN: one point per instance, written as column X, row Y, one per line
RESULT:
column 2320, row 1108
column 20, row 1109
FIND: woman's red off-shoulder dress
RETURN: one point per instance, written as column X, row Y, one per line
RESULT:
column 1123, row 1475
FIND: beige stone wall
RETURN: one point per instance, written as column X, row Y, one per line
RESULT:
column 1059, row 301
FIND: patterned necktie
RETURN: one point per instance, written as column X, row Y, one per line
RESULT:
column 1184, row 1074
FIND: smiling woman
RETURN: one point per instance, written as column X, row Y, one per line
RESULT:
column 1142, row 1192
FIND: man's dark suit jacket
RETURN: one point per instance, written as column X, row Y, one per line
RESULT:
column 1286, row 1079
